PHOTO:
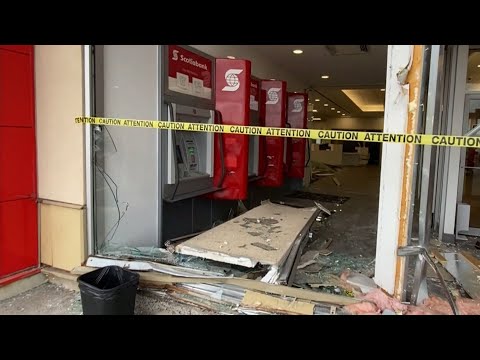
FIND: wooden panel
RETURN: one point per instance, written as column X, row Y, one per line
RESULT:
column 441, row 259
column 265, row 302
column 46, row 247
column 270, row 224
column 63, row 235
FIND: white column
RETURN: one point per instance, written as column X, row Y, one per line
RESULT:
column 392, row 171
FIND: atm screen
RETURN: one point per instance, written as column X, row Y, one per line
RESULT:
column 179, row 155
column 193, row 160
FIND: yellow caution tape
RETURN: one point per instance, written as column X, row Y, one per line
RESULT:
column 417, row 139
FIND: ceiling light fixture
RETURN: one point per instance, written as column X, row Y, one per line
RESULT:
column 317, row 99
column 478, row 65
column 338, row 111
column 382, row 89
column 298, row 52
column 314, row 110
column 231, row 57
column 343, row 114
column 332, row 108
column 325, row 76
column 325, row 104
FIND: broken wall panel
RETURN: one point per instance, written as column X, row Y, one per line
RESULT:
column 274, row 226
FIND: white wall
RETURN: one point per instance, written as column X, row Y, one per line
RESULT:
column 261, row 66
column 60, row 143
column 349, row 123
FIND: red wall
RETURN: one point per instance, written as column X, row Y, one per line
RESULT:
column 18, row 187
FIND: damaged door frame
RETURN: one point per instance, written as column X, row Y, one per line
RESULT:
column 427, row 177
column 402, row 103
column 438, row 195
column 449, row 198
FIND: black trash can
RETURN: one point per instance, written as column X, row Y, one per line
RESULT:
column 110, row 290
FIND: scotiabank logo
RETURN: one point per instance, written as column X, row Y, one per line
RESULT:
column 175, row 55
column 297, row 105
column 231, row 77
column 190, row 61
column 272, row 95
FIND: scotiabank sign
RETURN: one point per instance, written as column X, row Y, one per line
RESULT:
column 189, row 73
column 254, row 94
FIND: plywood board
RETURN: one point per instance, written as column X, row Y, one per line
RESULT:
column 231, row 242
column 256, row 300
column 62, row 236
column 46, row 246
column 441, row 259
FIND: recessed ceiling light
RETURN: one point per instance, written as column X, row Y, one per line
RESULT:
column 325, row 76
column 332, row 108
column 230, row 57
column 478, row 65
column 314, row 110
column 338, row 111
column 382, row 89
column 325, row 104
column 343, row 114
column 317, row 99
column 298, row 52
column 272, row 79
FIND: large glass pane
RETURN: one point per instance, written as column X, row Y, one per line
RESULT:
column 125, row 159
column 471, row 185
column 473, row 70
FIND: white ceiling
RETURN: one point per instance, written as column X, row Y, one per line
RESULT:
column 347, row 71
column 353, row 69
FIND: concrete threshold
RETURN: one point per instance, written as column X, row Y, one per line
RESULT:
column 61, row 278
column 22, row 285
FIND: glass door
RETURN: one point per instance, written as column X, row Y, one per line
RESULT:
column 469, row 184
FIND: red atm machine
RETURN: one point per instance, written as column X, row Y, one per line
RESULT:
column 256, row 143
column 232, row 105
column 274, row 97
column 297, row 119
